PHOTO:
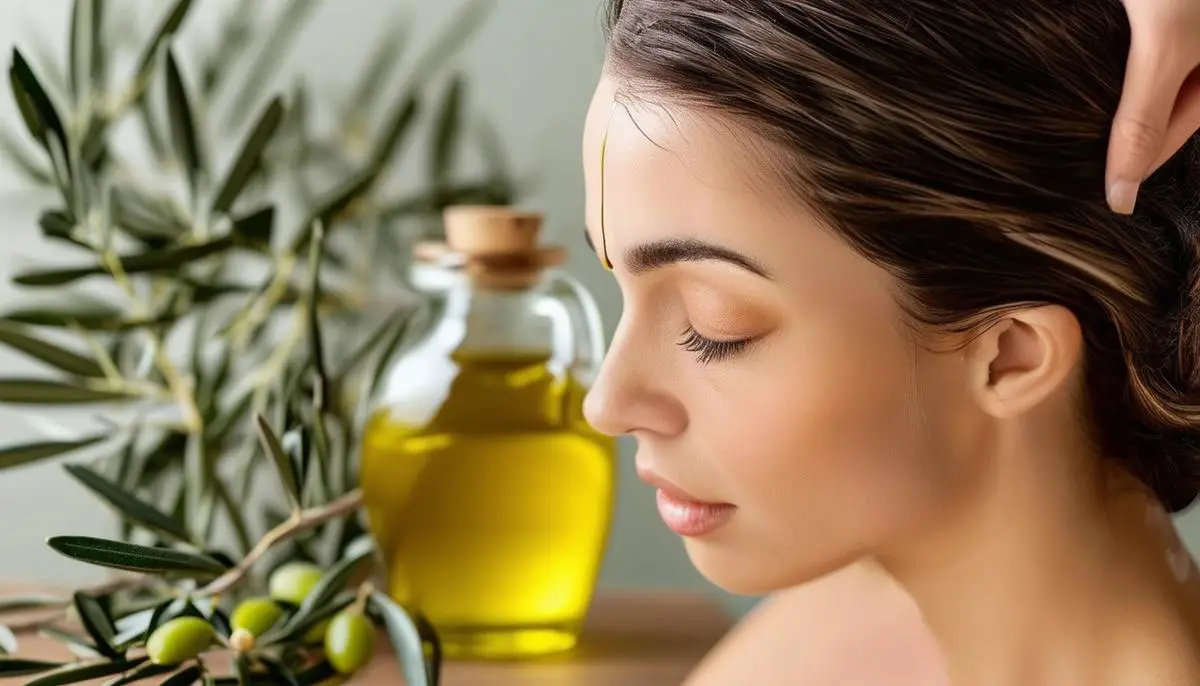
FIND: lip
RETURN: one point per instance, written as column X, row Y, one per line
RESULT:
column 683, row 513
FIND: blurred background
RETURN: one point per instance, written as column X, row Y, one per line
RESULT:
column 529, row 72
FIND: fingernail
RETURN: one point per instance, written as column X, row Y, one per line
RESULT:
column 1122, row 195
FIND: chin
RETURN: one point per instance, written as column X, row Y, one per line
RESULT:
column 745, row 572
column 741, row 571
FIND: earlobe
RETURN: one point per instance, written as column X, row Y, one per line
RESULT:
column 1025, row 358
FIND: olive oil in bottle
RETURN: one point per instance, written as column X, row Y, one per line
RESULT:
column 489, row 496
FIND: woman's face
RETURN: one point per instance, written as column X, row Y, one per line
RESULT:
column 761, row 364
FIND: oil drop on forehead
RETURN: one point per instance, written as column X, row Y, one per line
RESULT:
column 603, row 156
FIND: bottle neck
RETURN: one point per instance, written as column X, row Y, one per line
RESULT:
column 497, row 321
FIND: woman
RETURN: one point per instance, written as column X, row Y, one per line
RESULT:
column 877, row 308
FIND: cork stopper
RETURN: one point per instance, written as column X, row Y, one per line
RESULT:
column 496, row 245
column 477, row 229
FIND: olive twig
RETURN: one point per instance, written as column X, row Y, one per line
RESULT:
column 299, row 522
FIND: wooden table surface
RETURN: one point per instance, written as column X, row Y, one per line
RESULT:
column 631, row 639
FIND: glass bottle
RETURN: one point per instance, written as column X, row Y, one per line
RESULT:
column 489, row 496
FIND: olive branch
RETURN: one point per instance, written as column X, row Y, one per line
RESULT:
column 234, row 342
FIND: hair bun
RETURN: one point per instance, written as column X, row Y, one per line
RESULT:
column 1166, row 381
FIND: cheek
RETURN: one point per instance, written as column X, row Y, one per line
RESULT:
column 840, row 447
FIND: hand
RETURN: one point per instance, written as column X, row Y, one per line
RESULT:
column 1160, row 105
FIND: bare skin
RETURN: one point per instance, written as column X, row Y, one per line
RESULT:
column 855, row 627
column 967, row 476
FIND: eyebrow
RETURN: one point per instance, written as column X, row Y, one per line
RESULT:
column 664, row 253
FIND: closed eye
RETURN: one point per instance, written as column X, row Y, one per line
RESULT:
column 709, row 350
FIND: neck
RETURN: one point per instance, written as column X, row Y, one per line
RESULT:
column 1039, row 581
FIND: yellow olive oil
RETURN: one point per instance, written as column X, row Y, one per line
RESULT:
column 492, row 517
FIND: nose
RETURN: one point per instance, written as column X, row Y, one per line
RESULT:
column 631, row 394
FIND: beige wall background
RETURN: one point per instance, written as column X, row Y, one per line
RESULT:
column 531, row 70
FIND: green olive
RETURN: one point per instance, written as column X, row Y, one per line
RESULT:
column 292, row 582
column 350, row 641
column 179, row 639
column 256, row 615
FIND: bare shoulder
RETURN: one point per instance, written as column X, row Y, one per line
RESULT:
column 852, row 628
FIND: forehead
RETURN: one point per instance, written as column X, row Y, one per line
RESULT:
column 655, row 154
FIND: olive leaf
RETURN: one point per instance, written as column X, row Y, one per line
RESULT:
column 369, row 344
column 321, row 432
column 138, row 626
column 83, row 48
column 135, row 558
column 162, row 260
column 75, row 643
column 249, row 158
column 326, row 590
column 170, row 24
column 33, row 169
column 129, row 505
column 183, row 123
column 447, row 132
column 220, row 622
column 281, row 673
column 144, row 671
column 147, row 218
column 319, row 673
column 333, row 204
column 198, row 479
column 25, row 453
column 32, row 602
column 272, row 52
column 431, row 201
column 81, row 311
column 405, row 638
column 8, row 640
column 56, row 356
column 58, row 225
column 38, row 111
column 97, row 623
column 432, row 641
column 282, row 461
column 14, row 666
column 298, row 625
column 401, row 122
column 316, row 347
column 183, row 677
column 255, row 229
column 74, row 673
column 43, row 392
column 384, row 357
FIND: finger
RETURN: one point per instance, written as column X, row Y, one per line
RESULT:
column 1153, row 75
column 1184, row 123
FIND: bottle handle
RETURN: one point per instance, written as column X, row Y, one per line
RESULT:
column 581, row 337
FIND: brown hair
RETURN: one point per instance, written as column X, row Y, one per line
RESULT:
column 961, row 145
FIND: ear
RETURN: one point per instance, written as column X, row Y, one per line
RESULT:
column 1024, row 358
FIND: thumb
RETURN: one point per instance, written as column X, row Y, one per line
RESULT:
column 1152, row 82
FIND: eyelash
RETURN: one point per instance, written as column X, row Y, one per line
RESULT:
column 707, row 350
